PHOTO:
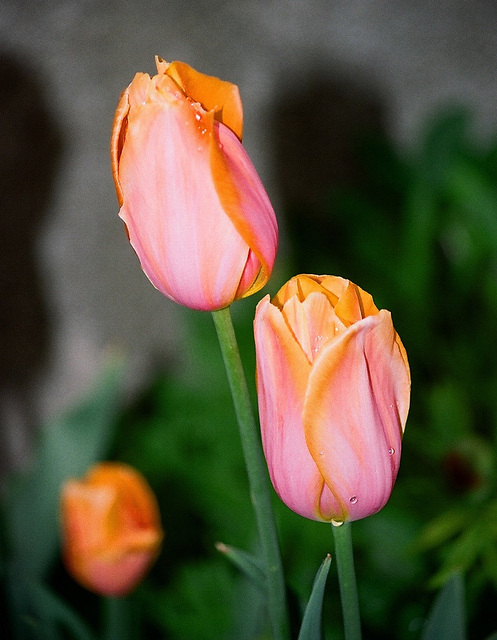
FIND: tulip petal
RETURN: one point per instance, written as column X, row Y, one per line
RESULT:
column 213, row 94
column 104, row 579
column 282, row 375
column 193, row 253
column 245, row 201
column 305, row 284
column 313, row 322
column 354, row 304
column 354, row 411
column 139, row 513
column 117, row 141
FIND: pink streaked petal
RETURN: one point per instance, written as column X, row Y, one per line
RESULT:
column 282, row 375
column 312, row 321
column 250, row 272
column 245, row 201
column 351, row 417
column 389, row 373
column 164, row 142
column 328, row 507
column 404, row 391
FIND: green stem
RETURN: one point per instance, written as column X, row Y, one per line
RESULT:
column 116, row 618
column 260, row 492
column 346, row 577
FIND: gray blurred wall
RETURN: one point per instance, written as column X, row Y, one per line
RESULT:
column 75, row 57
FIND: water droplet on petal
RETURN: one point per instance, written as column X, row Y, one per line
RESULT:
column 321, row 453
column 353, row 500
column 391, row 451
column 337, row 523
column 197, row 116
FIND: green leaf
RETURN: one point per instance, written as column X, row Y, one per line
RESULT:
column 311, row 624
column 247, row 563
column 493, row 636
column 198, row 603
column 47, row 616
column 442, row 528
column 447, row 618
column 468, row 546
column 67, row 447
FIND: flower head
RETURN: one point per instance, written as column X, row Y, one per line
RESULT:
column 333, row 385
column 111, row 529
column 195, row 210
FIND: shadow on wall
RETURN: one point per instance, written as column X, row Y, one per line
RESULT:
column 318, row 131
column 29, row 153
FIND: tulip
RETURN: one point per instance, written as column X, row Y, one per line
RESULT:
column 333, row 386
column 194, row 207
column 111, row 531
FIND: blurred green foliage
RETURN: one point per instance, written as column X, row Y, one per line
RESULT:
column 419, row 233
column 67, row 447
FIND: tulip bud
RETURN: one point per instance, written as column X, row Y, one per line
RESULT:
column 194, row 208
column 111, row 531
column 333, row 386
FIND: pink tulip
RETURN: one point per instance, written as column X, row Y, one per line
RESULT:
column 333, row 385
column 195, row 210
column 111, row 531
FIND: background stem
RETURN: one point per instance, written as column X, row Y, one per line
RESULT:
column 117, row 618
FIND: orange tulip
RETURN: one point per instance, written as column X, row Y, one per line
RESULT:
column 333, row 385
column 195, row 210
column 111, row 529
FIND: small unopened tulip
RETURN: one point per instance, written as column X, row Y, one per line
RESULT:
column 111, row 530
column 333, row 386
column 194, row 207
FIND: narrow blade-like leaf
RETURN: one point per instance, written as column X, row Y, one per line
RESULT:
column 311, row 624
